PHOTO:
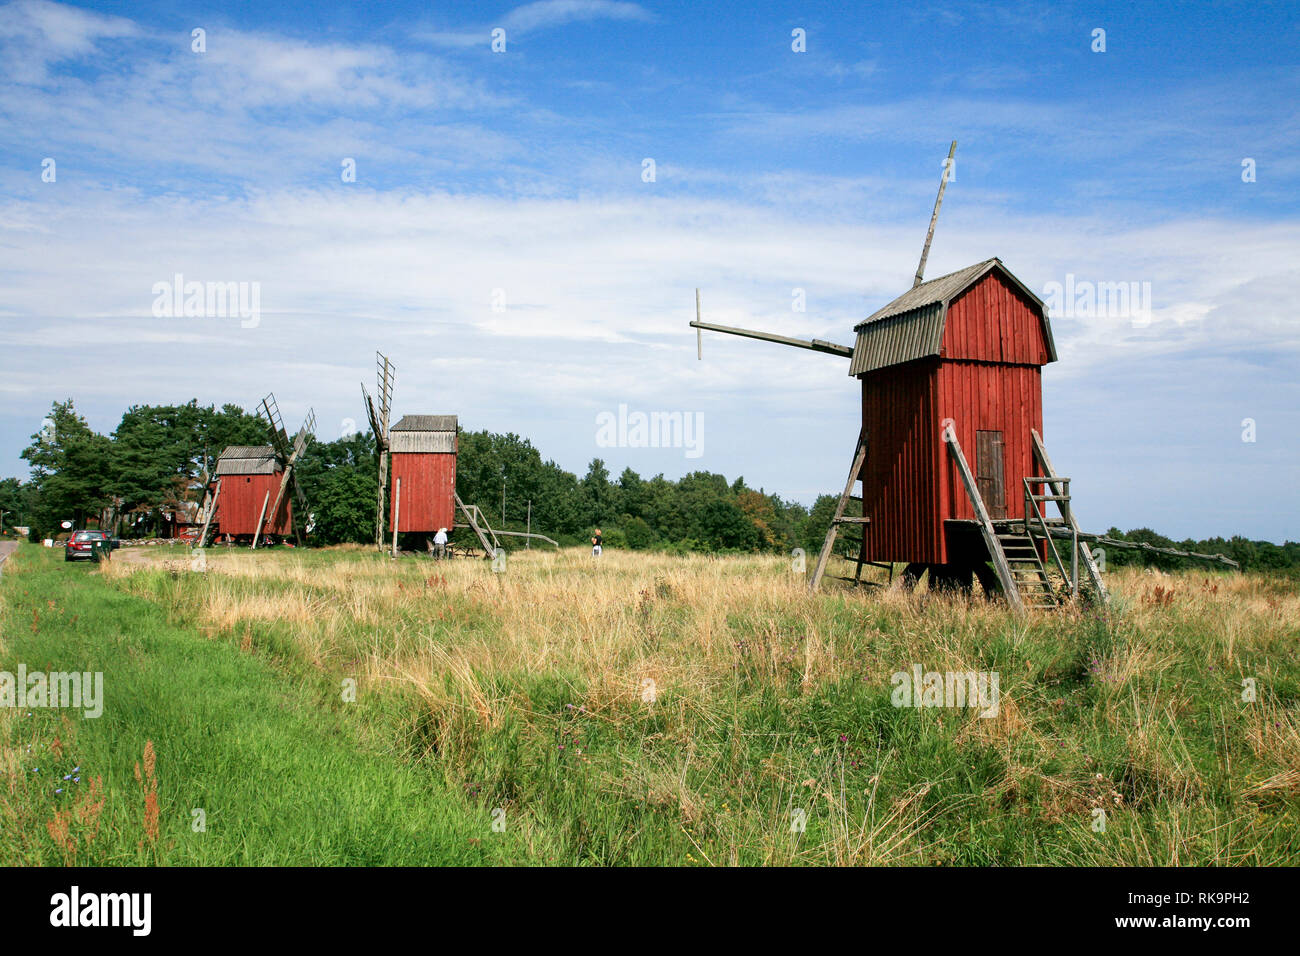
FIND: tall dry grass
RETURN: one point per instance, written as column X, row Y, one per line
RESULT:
column 701, row 692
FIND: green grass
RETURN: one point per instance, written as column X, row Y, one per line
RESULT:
column 279, row 764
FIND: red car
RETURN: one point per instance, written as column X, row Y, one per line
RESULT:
column 81, row 544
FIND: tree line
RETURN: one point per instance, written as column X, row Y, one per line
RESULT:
column 159, row 456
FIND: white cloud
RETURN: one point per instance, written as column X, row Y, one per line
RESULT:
column 541, row 15
column 552, row 13
column 37, row 33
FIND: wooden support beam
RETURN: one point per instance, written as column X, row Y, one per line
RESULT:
column 482, row 538
column 528, row 534
column 212, row 510
column 1065, row 533
column 855, row 471
column 397, row 512
column 379, row 507
column 257, row 535
column 999, row 557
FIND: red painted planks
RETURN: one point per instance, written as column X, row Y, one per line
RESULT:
column 240, row 504
column 428, row 491
column 993, row 322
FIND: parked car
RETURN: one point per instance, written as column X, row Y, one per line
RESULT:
column 82, row 544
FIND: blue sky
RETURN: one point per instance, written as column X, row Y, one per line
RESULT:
column 521, row 172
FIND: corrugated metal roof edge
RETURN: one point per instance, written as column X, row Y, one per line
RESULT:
column 418, row 423
column 928, row 341
column 247, row 451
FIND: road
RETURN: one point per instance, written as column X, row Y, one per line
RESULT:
column 6, row 549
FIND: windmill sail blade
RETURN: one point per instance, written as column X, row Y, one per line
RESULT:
column 934, row 217
column 270, row 411
column 304, row 433
column 375, row 427
column 385, row 372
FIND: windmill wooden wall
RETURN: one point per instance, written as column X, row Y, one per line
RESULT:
column 247, row 474
column 974, row 357
column 424, row 458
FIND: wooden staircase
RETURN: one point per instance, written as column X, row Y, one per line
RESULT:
column 482, row 530
column 1028, row 575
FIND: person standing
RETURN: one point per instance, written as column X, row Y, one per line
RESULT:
column 595, row 544
column 440, row 544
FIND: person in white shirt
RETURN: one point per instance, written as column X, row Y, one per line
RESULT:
column 440, row 543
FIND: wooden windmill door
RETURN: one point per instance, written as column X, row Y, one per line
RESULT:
column 989, row 472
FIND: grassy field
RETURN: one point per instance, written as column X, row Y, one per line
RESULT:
column 643, row 709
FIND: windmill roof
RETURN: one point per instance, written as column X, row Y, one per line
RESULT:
column 247, row 451
column 247, row 460
column 424, row 434
column 426, row 423
column 911, row 326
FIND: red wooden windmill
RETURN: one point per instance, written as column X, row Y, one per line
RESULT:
column 955, row 364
